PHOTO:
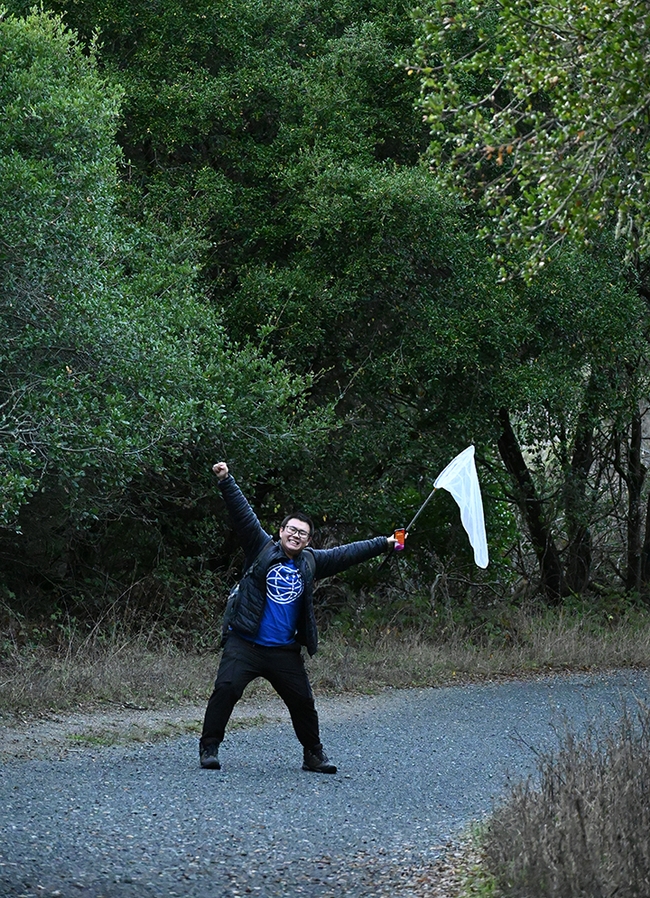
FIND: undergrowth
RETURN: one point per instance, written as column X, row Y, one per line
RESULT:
column 582, row 825
column 84, row 666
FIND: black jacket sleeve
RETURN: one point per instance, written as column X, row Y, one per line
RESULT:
column 340, row 558
column 244, row 520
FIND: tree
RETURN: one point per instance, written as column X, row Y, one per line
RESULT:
column 272, row 155
column 573, row 392
column 118, row 379
column 541, row 109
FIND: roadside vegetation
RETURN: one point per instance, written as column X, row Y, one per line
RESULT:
column 71, row 667
column 582, row 826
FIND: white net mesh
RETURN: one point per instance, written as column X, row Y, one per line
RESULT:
column 461, row 480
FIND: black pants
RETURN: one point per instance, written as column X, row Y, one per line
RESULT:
column 283, row 667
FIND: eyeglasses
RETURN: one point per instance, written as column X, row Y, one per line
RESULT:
column 293, row 531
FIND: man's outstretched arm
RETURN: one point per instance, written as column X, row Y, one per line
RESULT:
column 244, row 519
column 340, row 558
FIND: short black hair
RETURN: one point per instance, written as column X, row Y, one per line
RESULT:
column 299, row 516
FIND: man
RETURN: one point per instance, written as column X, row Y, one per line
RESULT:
column 269, row 616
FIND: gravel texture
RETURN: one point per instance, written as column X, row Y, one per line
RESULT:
column 415, row 768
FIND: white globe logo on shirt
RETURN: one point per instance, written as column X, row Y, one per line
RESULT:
column 283, row 584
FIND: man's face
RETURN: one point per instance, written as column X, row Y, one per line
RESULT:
column 294, row 537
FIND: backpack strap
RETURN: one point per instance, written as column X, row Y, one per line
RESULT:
column 311, row 561
column 260, row 559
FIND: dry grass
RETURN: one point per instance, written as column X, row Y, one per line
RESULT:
column 531, row 646
column 584, row 828
column 132, row 671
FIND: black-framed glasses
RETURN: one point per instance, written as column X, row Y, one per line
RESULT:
column 294, row 531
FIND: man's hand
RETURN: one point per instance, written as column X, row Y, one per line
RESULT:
column 221, row 470
column 392, row 542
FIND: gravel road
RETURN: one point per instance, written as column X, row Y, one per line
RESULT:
column 415, row 767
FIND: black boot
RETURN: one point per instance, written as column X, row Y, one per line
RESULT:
column 209, row 756
column 315, row 759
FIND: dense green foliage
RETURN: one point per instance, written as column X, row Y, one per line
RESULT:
column 118, row 380
column 542, row 109
column 221, row 241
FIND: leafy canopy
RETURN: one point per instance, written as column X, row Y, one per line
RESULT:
column 112, row 361
column 541, row 109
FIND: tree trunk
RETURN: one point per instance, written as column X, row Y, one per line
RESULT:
column 645, row 556
column 579, row 543
column 530, row 504
column 635, row 476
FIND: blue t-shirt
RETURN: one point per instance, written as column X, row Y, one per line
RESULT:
column 284, row 588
